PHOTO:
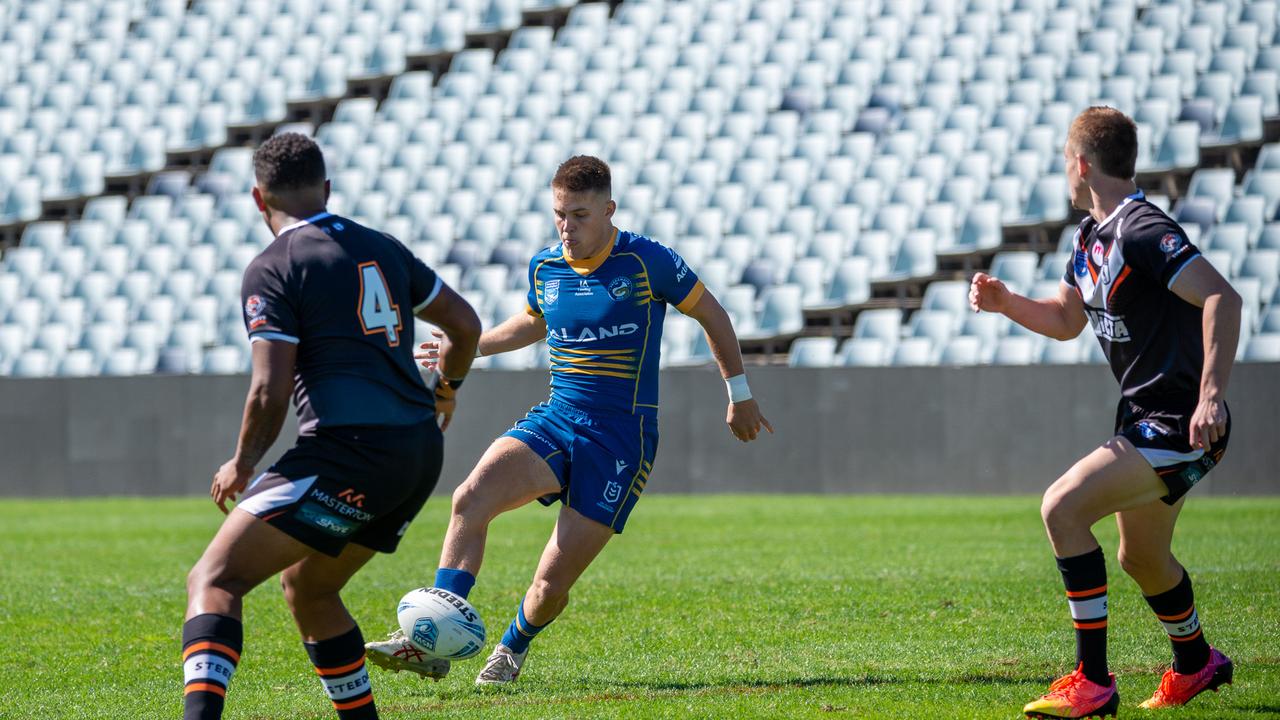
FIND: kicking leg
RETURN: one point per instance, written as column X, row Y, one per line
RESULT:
column 508, row 476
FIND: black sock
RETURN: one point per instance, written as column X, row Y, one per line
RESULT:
column 1085, row 577
column 211, row 646
column 1176, row 610
column 340, row 663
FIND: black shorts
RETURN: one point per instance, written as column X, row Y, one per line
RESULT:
column 360, row 484
column 1161, row 433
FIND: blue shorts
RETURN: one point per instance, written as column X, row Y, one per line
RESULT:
column 601, row 460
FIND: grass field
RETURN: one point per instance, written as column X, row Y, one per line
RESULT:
column 742, row 607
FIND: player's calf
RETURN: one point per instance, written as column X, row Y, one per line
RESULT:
column 339, row 662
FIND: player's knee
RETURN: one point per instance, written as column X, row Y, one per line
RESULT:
column 204, row 578
column 1058, row 509
column 550, row 595
column 467, row 502
column 1143, row 564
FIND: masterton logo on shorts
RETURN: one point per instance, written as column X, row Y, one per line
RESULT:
column 340, row 507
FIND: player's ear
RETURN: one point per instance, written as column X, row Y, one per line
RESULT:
column 609, row 207
column 261, row 202
column 326, row 191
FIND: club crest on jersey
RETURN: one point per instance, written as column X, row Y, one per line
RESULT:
column 1097, row 254
column 620, row 288
column 254, row 306
column 1170, row 243
column 1079, row 265
column 550, row 292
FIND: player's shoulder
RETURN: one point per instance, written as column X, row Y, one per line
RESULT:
column 1148, row 223
column 647, row 248
column 550, row 252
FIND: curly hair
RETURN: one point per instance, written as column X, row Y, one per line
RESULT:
column 1108, row 138
column 289, row 161
column 583, row 173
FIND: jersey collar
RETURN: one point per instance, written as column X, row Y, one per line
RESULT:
column 314, row 218
column 1139, row 195
column 589, row 265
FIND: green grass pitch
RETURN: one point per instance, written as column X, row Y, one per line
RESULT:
column 726, row 606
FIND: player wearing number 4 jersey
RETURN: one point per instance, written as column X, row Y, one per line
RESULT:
column 329, row 308
column 598, row 298
column 1168, row 323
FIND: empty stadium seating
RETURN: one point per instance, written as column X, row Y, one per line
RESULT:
column 801, row 154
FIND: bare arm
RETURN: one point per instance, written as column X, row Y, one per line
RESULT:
column 264, row 412
column 460, row 332
column 450, row 312
column 744, row 417
column 517, row 331
column 1201, row 285
column 1061, row 317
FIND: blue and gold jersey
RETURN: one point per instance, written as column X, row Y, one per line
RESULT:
column 604, row 320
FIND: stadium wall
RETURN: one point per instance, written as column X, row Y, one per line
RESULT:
column 839, row 430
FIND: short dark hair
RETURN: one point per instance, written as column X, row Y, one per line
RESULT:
column 289, row 161
column 1108, row 138
column 583, row 173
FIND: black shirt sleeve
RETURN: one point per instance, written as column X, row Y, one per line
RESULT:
column 268, row 300
column 1160, row 251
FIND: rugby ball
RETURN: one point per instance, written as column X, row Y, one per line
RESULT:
column 441, row 624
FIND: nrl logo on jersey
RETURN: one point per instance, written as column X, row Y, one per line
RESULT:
column 551, row 292
column 1107, row 326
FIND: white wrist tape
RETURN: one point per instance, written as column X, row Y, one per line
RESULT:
column 738, row 388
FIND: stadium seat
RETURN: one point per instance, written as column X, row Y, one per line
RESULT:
column 863, row 352
column 812, row 352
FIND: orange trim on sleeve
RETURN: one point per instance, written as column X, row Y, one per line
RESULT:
column 692, row 298
column 530, row 311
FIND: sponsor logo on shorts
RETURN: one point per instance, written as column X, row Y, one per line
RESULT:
column 351, row 497
column 324, row 519
column 1150, row 430
column 620, row 288
column 612, row 491
column 550, row 292
column 1169, row 243
column 1192, row 475
column 339, row 505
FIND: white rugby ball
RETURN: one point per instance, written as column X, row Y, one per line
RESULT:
column 441, row 624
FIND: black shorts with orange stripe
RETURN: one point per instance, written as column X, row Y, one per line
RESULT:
column 1160, row 430
column 360, row 484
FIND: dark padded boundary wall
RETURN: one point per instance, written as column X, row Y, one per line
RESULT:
column 934, row 430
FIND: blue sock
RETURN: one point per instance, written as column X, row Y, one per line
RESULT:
column 521, row 631
column 458, row 582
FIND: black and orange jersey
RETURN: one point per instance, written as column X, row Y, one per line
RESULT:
column 1123, row 268
column 346, row 294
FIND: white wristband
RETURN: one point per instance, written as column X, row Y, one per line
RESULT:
column 738, row 389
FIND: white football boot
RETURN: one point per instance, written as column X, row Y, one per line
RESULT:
column 502, row 667
column 396, row 653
